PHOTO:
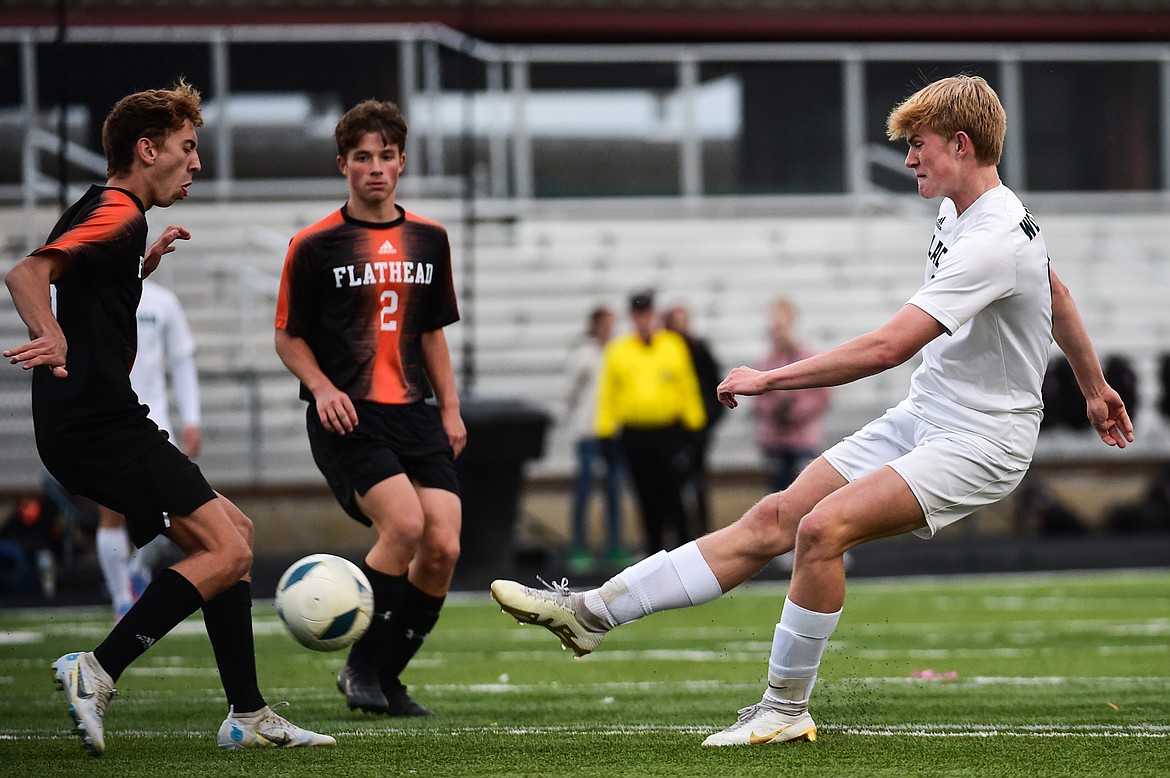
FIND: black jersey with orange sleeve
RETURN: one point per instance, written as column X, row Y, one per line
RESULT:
column 92, row 422
column 362, row 294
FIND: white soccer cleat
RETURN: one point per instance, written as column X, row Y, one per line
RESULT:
column 267, row 729
column 88, row 689
column 553, row 608
column 759, row 725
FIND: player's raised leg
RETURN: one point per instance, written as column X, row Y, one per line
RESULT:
column 692, row 574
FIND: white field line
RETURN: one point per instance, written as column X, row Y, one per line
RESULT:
column 709, row 655
column 952, row 730
column 607, row 691
column 505, row 687
column 872, row 730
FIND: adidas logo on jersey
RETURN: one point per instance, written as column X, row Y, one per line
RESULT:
column 387, row 248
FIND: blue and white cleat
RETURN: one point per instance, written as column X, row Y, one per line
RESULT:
column 267, row 729
column 88, row 689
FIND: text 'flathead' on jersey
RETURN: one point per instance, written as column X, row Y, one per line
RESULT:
column 397, row 272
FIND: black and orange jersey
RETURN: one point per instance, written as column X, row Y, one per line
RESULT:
column 88, row 423
column 362, row 295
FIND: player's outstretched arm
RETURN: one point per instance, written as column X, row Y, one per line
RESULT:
column 1103, row 405
column 896, row 341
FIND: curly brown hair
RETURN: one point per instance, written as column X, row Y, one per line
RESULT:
column 383, row 118
column 153, row 114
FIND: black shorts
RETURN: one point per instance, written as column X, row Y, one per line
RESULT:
column 163, row 481
column 388, row 440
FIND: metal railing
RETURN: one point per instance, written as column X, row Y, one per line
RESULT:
column 442, row 75
column 478, row 135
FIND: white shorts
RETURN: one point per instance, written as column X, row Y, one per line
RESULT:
column 952, row 474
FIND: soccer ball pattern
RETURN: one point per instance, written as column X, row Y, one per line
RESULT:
column 325, row 602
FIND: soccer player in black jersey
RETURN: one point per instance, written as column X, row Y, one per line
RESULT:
column 94, row 435
column 364, row 298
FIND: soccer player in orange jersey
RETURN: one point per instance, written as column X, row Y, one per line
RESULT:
column 94, row 436
column 364, row 298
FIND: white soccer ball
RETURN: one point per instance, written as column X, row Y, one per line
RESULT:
column 325, row 602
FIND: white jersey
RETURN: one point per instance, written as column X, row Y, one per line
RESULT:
column 987, row 284
column 583, row 368
column 165, row 344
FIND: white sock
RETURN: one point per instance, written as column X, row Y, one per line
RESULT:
column 797, row 647
column 666, row 580
column 250, row 717
column 113, row 550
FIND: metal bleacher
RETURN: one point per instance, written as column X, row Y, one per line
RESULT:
column 529, row 265
column 527, row 284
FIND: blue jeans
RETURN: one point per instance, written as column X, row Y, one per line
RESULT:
column 782, row 466
column 591, row 454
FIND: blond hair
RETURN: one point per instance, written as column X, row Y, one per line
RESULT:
column 966, row 103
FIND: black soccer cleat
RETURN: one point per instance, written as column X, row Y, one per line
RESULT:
column 399, row 702
column 361, row 690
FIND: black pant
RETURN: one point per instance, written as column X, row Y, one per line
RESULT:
column 659, row 461
column 695, row 493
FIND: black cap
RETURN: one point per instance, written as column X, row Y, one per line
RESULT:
column 642, row 300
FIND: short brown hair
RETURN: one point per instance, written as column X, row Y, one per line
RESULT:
column 153, row 114
column 383, row 118
column 966, row 103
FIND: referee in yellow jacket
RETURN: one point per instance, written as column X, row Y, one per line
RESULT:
column 648, row 396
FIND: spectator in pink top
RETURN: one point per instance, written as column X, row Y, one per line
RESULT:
column 788, row 428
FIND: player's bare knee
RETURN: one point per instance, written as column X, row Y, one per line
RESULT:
column 400, row 531
column 232, row 555
column 239, row 520
column 409, row 532
column 238, row 560
column 246, row 529
column 439, row 556
column 769, row 533
column 819, row 535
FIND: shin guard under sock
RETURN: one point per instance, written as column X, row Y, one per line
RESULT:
column 412, row 622
column 168, row 601
column 228, row 619
column 388, row 590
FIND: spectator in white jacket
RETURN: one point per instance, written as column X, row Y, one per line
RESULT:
column 166, row 350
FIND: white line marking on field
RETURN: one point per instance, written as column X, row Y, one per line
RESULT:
column 951, row 730
column 709, row 684
column 873, row 730
column 724, row 655
column 21, row 637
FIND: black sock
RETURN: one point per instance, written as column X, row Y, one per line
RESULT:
column 412, row 622
column 228, row 619
column 388, row 589
column 168, row 600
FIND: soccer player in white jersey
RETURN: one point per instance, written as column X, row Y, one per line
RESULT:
column 983, row 320
column 165, row 348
